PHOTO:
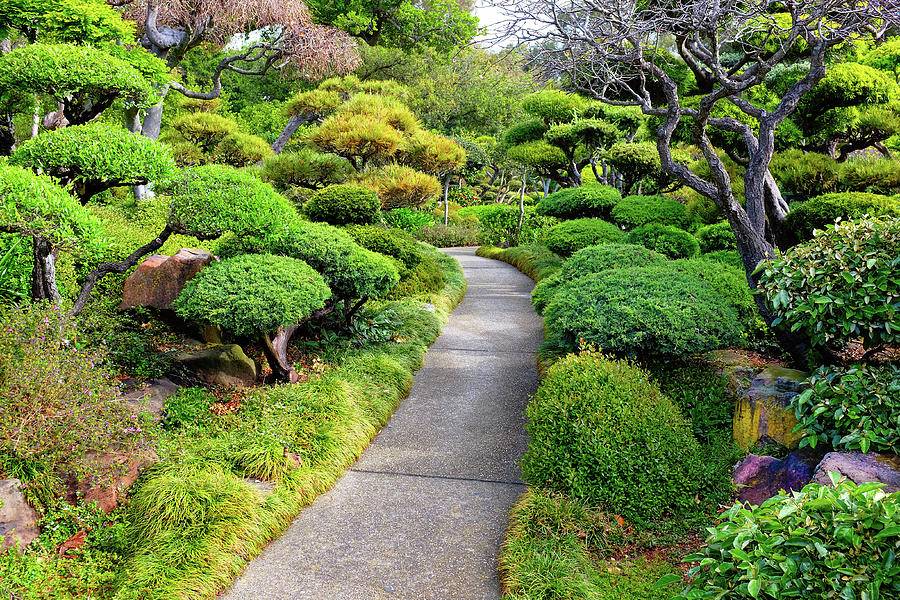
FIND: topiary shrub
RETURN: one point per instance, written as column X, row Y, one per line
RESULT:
column 729, row 282
column 726, row 257
column 665, row 239
column 391, row 242
column 344, row 204
column 408, row 219
column 592, row 260
column 256, row 295
column 600, row 432
column 585, row 201
column 240, row 149
column 840, row 286
column 634, row 211
column 818, row 212
column 569, row 237
column 305, row 168
column 715, row 237
column 821, row 542
column 805, row 174
column 400, row 187
column 203, row 137
column 642, row 311
column 851, row 408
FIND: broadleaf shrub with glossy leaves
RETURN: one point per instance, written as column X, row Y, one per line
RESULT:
column 841, row 285
column 665, row 239
column 634, row 211
column 851, row 408
column 252, row 294
column 819, row 212
column 585, row 201
column 344, row 204
column 821, row 542
column 601, row 432
column 569, row 237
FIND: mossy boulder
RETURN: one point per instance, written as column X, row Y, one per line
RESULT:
column 224, row 364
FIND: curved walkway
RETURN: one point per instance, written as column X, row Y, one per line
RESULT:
column 422, row 514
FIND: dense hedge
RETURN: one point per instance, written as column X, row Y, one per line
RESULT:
column 824, row 210
column 391, row 242
column 665, row 239
column 344, row 204
column 601, row 432
column 569, row 237
column 585, row 201
column 716, row 237
column 642, row 311
column 634, row 211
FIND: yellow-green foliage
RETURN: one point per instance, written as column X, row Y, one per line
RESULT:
column 400, row 187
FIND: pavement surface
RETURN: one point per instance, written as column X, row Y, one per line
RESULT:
column 422, row 514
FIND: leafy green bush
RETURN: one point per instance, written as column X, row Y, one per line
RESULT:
column 15, row 268
column 569, row 237
column 716, row 237
column 875, row 175
column 726, row 257
column 841, row 285
column 449, row 236
column 729, row 282
column 305, row 168
column 804, row 175
column 600, row 432
column 851, row 408
column 407, row 219
column 344, row 204
column 252, row 294
column 585, row 201
column 642, row 311
column 634, row 211
column 665, row 239
column 186, row 407
column 821, row 542
column 636, row 162
column 591, row 260
column 534, row 260
column 399, row 186
column 818, row 212
column 499, row 223
column 395, row 243
column 240, row 149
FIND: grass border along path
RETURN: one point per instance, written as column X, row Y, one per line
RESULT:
column 194, row 524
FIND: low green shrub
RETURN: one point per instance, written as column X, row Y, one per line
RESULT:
column 634, row 211
column 449, row 236
column 499, row 223
column 187, row 407
column 395, row 243
column 344, row 204
column 821, row 542
column 569, row 237
column 818, row 212
column 600, row 432
column 841, row 285
column 727, row 257
column 665, row 239
column 15, row 268
column 728, row 281
column 305, row 168
column 803, row 175
column 875, row 175
column 642, row 311
column 591, row 200
column 716, row 237
column 534, row 260
column 851, row 408
column 408, row 219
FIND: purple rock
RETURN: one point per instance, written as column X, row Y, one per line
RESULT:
column 861, row 468
column 760, row 477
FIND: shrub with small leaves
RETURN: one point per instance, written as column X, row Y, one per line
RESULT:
column 305, row 168
column 665, row 239
column 585, row 201
column 408, row 219
column 841, row 285
column 821, row 542
column 344, row 204
column 395, row 243
column 716, row 237
column 851, row 408
column 634, row 211
column 400, row 187
column 569, row 237
column 819, row 212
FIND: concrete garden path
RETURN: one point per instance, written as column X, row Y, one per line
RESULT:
column 422, row 514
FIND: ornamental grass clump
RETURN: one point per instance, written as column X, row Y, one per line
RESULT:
column 601, row 432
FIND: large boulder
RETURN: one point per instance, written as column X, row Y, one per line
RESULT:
column 758, row 478
column 18, row 521
column 224, row 364
column 158, row 280
column 861, row 468
column 122, row 470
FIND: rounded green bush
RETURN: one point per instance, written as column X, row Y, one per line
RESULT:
column 305, row 168
column 395, row 243
column 729, row 282
column 818, row 212
column 601, row 432
column 727, row 257
column 586, row 201
column 240, row 149
column 591, row 260
column 252, row 294
column 665, row 239
column 716, row 237
column 344, row 204
column 569, row 237
column 634, row 211
column 643, row 311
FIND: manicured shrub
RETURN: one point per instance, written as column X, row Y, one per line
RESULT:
column 400, row 187
column 851, row 408
column 499, row 224
column 592, row 260
column 240, row 149
column 821, row 542
column 729, row 282
column 390, row 242
column 642, row 311
column 818, row 212
column 635, row 161
column 199, row 138
column 716, row 237
column 407, row 219
column 600, row 432
column 585, row 201
column 726, row 257
column 634, row 211
column 449, row 236
column 344, row 204
column 665, row 239
column 804, row 175
column 874, row 175
column 305, row 168
column 841, row 285
column 569, row 237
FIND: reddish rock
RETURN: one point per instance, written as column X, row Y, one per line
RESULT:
column 18, row 521
column 758, row 478
column 125, row 469
column 861, row 468
column 158, row 280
